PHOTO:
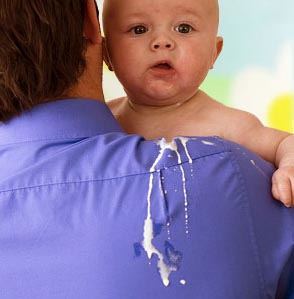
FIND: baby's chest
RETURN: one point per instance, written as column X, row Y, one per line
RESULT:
column 195, row 125
column 171, row 129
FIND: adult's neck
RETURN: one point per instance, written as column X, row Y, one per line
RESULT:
column 89, row 84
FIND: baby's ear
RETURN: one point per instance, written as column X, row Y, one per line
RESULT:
column 106, row 57
column 219, row 43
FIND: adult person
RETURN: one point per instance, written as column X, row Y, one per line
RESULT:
column 87, row 211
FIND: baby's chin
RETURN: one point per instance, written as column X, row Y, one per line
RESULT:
column 163, row 97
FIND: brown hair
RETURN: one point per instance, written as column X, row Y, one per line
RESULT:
column 41, row 51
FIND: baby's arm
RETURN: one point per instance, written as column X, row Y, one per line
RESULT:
column 273, row 145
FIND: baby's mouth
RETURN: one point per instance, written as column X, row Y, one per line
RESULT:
column 163, row 66
column 163, row 69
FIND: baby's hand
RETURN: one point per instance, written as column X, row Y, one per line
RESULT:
column 283, row 185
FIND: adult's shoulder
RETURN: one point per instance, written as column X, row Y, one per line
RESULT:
column 271, row 224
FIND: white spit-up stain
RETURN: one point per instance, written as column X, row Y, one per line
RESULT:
column 164, row 269
column 256, row 166
column 186, row 203
column 168, row 231
column 163, row 193
column 184, row 143
column 161, row 179
column 207, row 142
column 183, row 282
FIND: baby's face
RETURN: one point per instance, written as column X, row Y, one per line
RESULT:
column 161, row 50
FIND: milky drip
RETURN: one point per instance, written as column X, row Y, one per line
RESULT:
column 186, row 203
column 164, row 269
column 150, row 249
column 207, row 142
column 184, row 142
column 258, row 168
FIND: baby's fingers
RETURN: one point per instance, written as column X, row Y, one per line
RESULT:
column 275, row 191
column 282, row 189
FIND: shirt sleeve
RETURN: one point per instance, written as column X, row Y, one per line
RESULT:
column 272, row 224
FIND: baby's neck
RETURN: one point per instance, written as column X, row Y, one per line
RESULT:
column 150, row 110
column 190, row 118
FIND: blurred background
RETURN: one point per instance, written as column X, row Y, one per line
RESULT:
column 255, row 71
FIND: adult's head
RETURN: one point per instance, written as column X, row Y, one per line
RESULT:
column 43, row 46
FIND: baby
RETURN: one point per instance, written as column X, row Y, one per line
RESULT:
column 161, row 51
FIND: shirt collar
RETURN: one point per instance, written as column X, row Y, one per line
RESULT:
column 62, row 119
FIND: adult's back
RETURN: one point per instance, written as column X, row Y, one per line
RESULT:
column 74, row 206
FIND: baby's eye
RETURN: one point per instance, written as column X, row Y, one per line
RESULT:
column 140, row 29
column 184, row 28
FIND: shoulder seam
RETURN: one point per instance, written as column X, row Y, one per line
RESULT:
column 88, row 180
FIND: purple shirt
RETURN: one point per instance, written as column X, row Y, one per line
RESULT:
column 87, row 211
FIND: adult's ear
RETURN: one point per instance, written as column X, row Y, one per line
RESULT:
column 219, row 43
column 106, row 56
column 92, row 30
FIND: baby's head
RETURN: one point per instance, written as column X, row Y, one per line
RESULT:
column 161, row 50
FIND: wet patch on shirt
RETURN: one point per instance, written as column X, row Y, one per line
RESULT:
column 171, row 259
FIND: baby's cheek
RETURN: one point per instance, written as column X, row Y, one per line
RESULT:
column 125, row 67
column 193, row 75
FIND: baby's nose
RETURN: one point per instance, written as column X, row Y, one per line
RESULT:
column 162, row 43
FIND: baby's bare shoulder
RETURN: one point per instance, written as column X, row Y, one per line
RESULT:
column 224, row 115
column 237, row 121
column 214, row 111
column 230, row 121
column 246, row 129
